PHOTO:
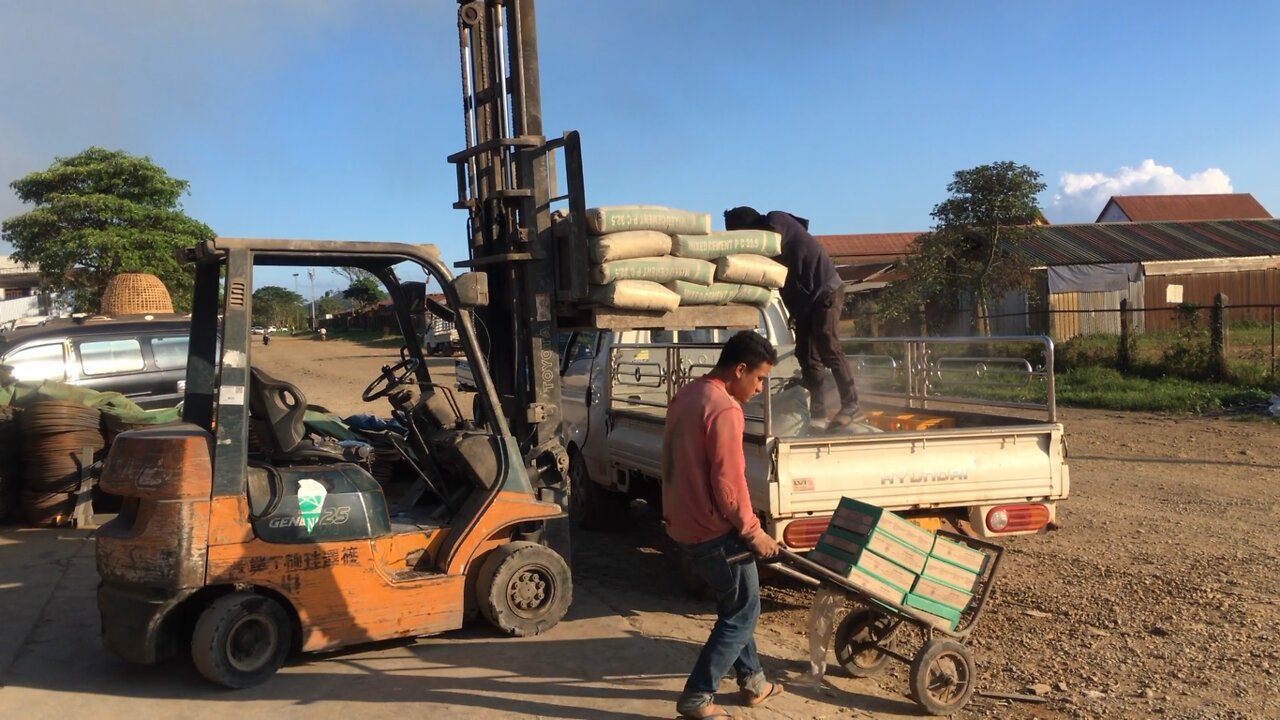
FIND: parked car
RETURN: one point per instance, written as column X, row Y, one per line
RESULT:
column 258, row 330
column 145, row 360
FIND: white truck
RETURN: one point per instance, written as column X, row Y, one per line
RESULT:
column 977, row 444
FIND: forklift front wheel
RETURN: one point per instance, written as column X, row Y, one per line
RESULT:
column 524, row 588
column 241, row 639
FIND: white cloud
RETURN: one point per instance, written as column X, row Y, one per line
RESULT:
column 1081, row 196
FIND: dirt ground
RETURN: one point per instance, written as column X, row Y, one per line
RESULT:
column 1156, row 597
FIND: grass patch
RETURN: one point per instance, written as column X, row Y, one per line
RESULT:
column 1106, row 388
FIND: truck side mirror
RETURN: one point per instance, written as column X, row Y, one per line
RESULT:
column 472, row 289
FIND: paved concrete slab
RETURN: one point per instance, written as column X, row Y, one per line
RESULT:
column 607, row 660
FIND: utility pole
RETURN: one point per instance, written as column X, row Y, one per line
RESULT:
column 295, row 307
column 311, row 272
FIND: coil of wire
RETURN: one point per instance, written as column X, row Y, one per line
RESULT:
column 60, row 438
column 10, row 464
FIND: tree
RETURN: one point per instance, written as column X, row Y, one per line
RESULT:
column 274, row 305
column 101, row 213
column 330, row 303
column 364, row 293
column 351, row 274
column 975, row 250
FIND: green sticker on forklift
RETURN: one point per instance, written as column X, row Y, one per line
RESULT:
column 311, row 496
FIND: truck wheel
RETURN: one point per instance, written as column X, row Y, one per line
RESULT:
column 859, row 639
column 524, row 588
column 941, row 677
column 590, row 505
column 241, row 639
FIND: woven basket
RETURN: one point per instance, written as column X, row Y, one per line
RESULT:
column 136, row 294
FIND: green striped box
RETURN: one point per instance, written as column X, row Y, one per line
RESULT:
column 860, row 517
column 872, row 585
column 938, row 569
column 884, row 545
column 959, row 554
column 942, row 593
column 949, row 616
column 848, row 549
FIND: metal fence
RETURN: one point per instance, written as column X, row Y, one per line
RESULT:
column 1248, row 330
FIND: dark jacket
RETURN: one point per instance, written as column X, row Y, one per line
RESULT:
column 810, row 272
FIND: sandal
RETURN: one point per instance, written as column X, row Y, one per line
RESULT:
column 845, row 418
column 714, row 711
column 775, row 688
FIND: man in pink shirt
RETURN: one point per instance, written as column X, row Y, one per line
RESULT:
column 707, row 510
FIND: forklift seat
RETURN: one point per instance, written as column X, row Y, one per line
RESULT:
column 277, row 409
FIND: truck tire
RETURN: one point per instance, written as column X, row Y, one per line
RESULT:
column 241, row 639
column 591, row 506
column 524, row 588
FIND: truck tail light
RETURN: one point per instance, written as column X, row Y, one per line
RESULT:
column 1017, row 518
column 804, row 533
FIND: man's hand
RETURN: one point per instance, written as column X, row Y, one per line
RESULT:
column 762, row 545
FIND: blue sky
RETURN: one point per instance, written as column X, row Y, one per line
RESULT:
column 331, row 119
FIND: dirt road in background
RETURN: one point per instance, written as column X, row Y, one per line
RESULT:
column 1157, row 597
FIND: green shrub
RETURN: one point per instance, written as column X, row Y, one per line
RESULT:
column 1085, row 351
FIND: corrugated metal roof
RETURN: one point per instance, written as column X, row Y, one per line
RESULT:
column 867, row 247
column 1167, row 208
column 1143, row 241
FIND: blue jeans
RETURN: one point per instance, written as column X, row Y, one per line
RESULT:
column 732, row 642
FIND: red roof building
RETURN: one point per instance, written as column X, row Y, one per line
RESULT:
column 1182, row 208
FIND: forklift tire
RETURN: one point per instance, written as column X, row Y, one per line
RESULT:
column 241, row 639
column 524, row 588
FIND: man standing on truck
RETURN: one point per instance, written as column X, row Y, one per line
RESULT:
column 707, row 510
column 814, row 296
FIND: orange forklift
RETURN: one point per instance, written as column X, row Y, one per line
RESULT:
column 245, row 535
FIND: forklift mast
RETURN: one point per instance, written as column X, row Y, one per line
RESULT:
column 506, row 183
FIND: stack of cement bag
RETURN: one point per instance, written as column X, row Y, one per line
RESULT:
column 648, row 257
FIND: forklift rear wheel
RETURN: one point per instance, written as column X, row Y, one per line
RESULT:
column 241, row 639
column 941, row 678
column 524, row 588
column 859, row 640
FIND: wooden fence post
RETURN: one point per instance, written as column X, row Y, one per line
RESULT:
column 1218, row 337
column 1124, row 353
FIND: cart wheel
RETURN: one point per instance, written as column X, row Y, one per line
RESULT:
column 942, row 677
column 859, row 640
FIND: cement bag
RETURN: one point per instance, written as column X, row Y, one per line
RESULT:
column 627, row 245
column 636, row 295
column 617, row 218
column 789, row 412
column 658, row 269
column 732, row 242
column 752, row 295
column 714, row 294
column 751, row 269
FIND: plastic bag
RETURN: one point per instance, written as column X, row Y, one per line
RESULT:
column 827, row 601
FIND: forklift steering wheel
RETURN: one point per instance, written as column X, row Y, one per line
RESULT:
column 391, row 377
